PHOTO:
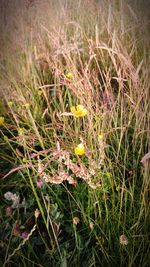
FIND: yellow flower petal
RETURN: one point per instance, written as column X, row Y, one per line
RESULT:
column 79, row 150
column 27, row 105
column 68, row 75
column 80, row 108
column 2, row 120
column 84, row 112
column 73, row 109
column 100, row 136
column 78, row 111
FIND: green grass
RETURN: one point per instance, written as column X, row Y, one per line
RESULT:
column 94, row 208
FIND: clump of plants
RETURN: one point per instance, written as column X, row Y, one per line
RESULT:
column 74, row 147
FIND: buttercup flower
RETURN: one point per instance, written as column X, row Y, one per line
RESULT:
column 100, row 137
column 79, row 111
column 79, row 150
column 27, row 105
column 2, row 120
column 68, row 75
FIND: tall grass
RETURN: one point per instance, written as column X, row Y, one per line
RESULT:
column 94, row 208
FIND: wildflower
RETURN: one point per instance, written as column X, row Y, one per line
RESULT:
column 24, row 234
column 123, row 240
column 40, row 183
column 79, row 150
column 24, row 160
column 79, row 111
column 21, row 131
column 10, row 103
column 100, row 137
column 2, row 120
column 36, row 213
column 76, row 220
column 27, row 105
column 68, row 75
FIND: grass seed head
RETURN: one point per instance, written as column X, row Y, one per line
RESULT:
column 123, row 240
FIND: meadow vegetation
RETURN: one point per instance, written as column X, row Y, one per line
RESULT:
column 75, row 134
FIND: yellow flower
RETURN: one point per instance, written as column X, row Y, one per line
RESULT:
column 79, row 111
column 24, row 160
column 68, row 75
column 79, row 150
column 21, row 131
column 27, row 105
column 2, row 120
column 10, row 103
column 100, row 137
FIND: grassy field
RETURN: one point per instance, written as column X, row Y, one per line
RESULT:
column 74, row 133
